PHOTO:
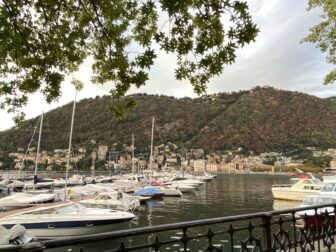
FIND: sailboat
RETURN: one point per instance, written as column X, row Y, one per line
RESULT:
column 171, row 191
column 68, row 219
column 31, row 196
column 38, row 186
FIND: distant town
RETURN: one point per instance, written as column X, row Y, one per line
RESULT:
column 165, row 157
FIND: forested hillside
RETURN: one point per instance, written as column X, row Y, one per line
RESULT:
column 261, row 119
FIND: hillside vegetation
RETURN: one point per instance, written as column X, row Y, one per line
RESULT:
column 262, row 119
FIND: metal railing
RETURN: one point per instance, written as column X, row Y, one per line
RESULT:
column 299, row 229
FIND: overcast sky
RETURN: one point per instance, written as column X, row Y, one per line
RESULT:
column 277, row 58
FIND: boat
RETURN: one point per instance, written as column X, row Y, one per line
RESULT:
column 169, row 191
column 142, row 199
column 112, row 200
column 206, row 177
column 3, row 188
column 184, row 188
column 90, row 189
column 14, row 185
column 22, row 200
column 317, row 218
column 38, row 188
column 149, row 192
column 70, row 219
column 188, row 183
column 298, row 190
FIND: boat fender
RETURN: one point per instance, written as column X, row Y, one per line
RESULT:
column 18, row 235
column 4, row 236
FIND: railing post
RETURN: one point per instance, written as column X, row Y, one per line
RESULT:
column 266, row 233
column 33, row 247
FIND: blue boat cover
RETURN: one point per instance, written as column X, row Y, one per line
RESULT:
column 148, row 191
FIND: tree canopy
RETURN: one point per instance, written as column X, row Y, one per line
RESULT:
column 44, row 41
column 324, row 34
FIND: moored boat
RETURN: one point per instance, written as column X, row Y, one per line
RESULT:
column 112, row 200
column 70, row 219
column 23, row 200
column 319, row 217
column 297, row 191
column 149, row 192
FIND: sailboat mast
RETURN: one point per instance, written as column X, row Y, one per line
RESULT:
column 151, row 150
column 38, row 146
column 70, row 139
column 93, row 164
column 133, row 168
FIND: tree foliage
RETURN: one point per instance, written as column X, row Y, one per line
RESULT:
column 44, row 41
column 324, row 34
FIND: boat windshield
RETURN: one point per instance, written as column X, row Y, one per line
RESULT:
column 328, row 187
column 316, row 181
column 318, row 200
column 71, row 208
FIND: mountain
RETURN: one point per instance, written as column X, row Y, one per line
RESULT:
column 261, row 119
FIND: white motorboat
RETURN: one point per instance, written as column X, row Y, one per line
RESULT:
column 195, row 183
column 328, row 188
column 168, row 190
column 297, row 191
column 112, row 200
column 317, row 217
column 192, row 182
column 172, row 191
column 184, row 188
column 12, row 205
column 70, row 219
column 142, row 199
column 206, row 177
column 38, row 186
column 90, row 189
column 14, row 185
column 70, row 182
column 22, row 200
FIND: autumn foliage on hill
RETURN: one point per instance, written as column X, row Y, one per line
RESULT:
column 262, row 119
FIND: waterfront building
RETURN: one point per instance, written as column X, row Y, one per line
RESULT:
column 333, row 165
column 102, row 150
column 198, row 165
column 211, row 167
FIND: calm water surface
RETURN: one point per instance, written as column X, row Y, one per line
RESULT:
column 227, row 195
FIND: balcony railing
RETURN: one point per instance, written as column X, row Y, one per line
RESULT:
column 299, row 229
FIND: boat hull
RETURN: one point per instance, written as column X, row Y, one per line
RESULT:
column 49, row 230
column 318, row 221
column 288, row 194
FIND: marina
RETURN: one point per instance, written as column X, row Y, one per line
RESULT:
column 244, row 200
column 227, row 195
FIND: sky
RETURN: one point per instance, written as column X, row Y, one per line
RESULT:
column 276, row 58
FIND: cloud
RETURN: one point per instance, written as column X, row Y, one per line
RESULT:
column 277, row 58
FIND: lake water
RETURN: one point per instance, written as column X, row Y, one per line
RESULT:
column 227, row 195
